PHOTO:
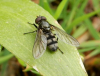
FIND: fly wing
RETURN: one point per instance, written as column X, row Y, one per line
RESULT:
column 63, row 36
column 40, row 44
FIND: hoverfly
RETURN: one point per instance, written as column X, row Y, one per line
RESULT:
column 45, row 37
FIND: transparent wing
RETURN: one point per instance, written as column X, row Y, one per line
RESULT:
column 63, row 36
column 40, row 44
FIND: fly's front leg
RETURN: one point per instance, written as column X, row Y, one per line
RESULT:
column 32, row 24
column 30, row 32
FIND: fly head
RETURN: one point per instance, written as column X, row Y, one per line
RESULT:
column 39, row 19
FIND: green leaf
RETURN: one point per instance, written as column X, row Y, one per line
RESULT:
column 21, row 62
column 14, row 15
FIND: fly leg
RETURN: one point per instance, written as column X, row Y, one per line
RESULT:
column 32, row 24
column 58, row 47
column 30, row 32
column 60, row 50
column 57, row 37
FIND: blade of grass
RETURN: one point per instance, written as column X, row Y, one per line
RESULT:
column 80, row 31
column 95, row 52
column 86, row 49
column 4, row 68
column 4, row 52
column 65, row 15
column 59, row 9
column 21, row 62
column 73, row 11
column 5, row 58
column 92, row 31
column 81, row 8
column 5, row 55
column 91, row 43
column 80, row 19
column 46, row 6
column 96, row 5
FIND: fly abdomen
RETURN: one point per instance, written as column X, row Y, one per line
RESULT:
column 52, row 42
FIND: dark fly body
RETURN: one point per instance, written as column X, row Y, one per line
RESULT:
column 45, row 37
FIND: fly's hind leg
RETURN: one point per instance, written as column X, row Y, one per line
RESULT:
column 57, row 37
column 58, row 47
column 60, row 50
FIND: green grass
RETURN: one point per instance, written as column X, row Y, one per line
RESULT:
column 59, row 9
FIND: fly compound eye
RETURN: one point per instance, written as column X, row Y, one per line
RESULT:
column 38, row 19
column 42, row 17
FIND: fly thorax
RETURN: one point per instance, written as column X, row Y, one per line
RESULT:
column 45, row 25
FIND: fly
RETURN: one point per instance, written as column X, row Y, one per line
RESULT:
column 45, row 37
